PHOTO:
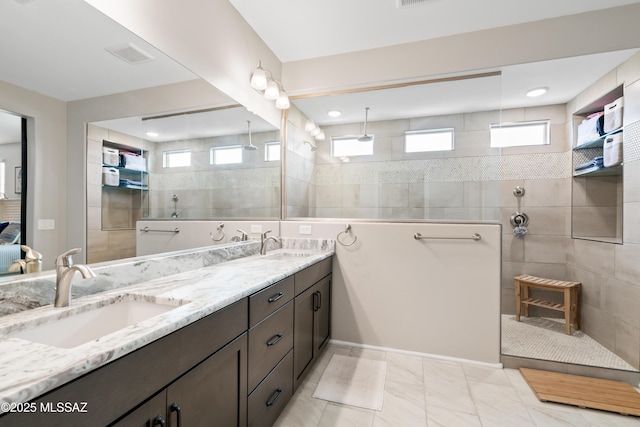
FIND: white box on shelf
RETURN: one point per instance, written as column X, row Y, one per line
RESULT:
column 612, row 150
column 110, row 177
column 110, row 156
column 613, row 115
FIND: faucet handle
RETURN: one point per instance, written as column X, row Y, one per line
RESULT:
column 243, row 235
column 65, row 259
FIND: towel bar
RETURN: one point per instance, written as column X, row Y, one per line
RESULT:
column 474, row 236
column 147, row 229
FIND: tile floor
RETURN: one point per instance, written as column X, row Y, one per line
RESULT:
column 430, row 392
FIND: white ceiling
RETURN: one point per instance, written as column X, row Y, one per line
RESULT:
column 57, row 48
column 296, row 30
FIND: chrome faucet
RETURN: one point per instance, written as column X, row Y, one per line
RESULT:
column 65, row 270
column 263, row 242
column 243, row 237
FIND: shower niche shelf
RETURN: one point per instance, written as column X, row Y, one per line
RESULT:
column 596, row 199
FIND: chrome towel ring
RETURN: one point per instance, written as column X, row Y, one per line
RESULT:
column 347, row 230
column 220, row 231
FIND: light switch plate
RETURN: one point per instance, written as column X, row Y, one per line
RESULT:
column 256, row 228
column 46, row 224
column 305, row 229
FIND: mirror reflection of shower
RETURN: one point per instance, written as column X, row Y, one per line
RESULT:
column 175, row 213
column 250, row 147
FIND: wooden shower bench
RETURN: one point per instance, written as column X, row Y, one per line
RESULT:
column 570, row 291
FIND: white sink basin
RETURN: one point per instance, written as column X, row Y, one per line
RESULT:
column 86, row 326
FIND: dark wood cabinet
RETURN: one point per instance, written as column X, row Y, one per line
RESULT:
column 312, row 320
column 207, row 395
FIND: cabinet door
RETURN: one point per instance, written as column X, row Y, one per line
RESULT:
column 149, row 414
column 303, row 333
column 322, row 313
column 214, row 393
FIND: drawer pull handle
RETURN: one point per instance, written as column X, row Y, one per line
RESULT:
column 176, row 408
column 159, row 421
column 274, row 340
column 274, row 397
column 317, row 300
column 276, row 297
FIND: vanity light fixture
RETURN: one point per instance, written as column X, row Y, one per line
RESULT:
column 263, row 80
column 537, row 92
column 313, row 130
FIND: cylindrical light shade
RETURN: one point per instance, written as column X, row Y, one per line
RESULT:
column 320, row 136
column 272, row 91
column 309, row 126
column 283, row 101
column 259, row 79
column 315, row 132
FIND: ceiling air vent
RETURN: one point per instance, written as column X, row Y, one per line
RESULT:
column 130, row 53
column 406, row 3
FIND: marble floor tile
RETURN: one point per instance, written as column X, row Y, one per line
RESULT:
column 405, row 369
column 441, row 417
column 442, row 370
column 452, row 395
column 486, row 374
column 435, row 393
column 336, row 415
column 404, row 405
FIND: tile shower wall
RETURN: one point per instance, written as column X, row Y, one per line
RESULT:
column 250, row 189
column 609, row 273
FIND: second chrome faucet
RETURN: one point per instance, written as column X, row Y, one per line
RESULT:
column 263, row 241
column 65, row 270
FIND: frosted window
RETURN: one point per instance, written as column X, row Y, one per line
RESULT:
column 227, row 155
column 176, row 159
column 520, row 134
column 420, row 141
column 350, row 146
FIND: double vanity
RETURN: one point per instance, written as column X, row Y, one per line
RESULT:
column 223, row 344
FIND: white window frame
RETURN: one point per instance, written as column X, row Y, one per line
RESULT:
column 213, row 158
column 429, row 145
column 269, row 150
column 503, row 135
column 166, row 158
column 341, row 152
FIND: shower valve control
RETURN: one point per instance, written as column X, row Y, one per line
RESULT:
column 518, row 191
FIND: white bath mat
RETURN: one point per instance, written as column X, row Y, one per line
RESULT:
column 353, row 381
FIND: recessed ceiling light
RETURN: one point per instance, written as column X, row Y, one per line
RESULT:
column 334, row 113
column 537, row 92
column 153, row 134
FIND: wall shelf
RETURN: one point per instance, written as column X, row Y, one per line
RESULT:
column 597, row 143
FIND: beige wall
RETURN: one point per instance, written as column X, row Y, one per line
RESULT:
column 48, row 164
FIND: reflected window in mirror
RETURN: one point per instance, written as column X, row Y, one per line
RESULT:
column 176, row 159
column 422, row 141
column 520, row 134
column 272, row 151
column 349, row 146
column 225, row 155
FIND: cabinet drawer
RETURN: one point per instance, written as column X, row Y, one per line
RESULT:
column 268, row 300
column 269, row 341
column 311, row 274
column 269, row 399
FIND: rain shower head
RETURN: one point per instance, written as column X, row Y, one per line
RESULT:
column 365, row 137
column 250, row 147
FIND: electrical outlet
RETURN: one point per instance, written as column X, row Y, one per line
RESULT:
column 305, row 229
column 256, row 228
column 46, row 224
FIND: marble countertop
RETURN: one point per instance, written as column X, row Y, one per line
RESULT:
column 29, row 369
